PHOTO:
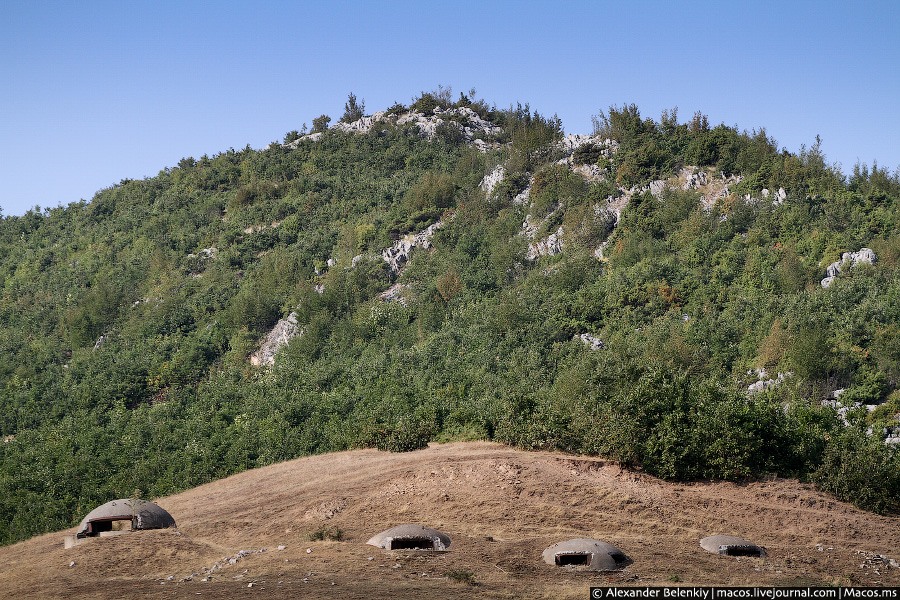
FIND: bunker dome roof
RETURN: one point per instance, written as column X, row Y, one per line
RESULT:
column 385, row 539
column 142, row 514
column 598, row 556
column 731, row 545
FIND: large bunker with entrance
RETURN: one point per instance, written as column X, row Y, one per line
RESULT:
column 411, row 537
column 588, row 554
column 730, row 545
column 124, row 514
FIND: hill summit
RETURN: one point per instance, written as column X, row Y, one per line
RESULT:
column 687, row 300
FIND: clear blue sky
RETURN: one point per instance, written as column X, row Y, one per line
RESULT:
column 94, row 92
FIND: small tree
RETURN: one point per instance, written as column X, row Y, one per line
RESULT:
column 353, row 109
column 320, row 123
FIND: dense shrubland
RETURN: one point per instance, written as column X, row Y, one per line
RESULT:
column 125, row 336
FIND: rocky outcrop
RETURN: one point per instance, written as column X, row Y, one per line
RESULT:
column 492, row 180
column 778, row 198
column 197, row 263
column 865, row 256
column 573, row 141
column 284, row 331
column 398, row 255
column 395, row 293
column 549, row 246
column 589, row 340
column 470, row 124
column 765, row 383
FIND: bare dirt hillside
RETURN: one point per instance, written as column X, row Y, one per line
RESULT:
column 500, row 506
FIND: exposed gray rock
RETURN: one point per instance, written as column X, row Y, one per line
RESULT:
column 657, row 187
column 492, row 179
column 524, row 197
column 692, row 179
column 530, row 227
column 571, row 142
column 864, row 256
column 395, row 293
column 589, row 340
column 765, row 383
column 471, row 125
column 549, row 246
column 398, row 255
column 197, row 263
column 892, row 436
column 284, row 331
column 592, row 173
column 780, row 196
column 363, row 125
column 842, row 409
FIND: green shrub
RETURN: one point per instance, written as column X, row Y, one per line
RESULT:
column 861, row 469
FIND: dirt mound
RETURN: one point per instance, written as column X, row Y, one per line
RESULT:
column 502, row 507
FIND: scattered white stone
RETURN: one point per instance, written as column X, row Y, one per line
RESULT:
column 764, row 383
column 206, row 253
column 281, row 547
column 309, row 550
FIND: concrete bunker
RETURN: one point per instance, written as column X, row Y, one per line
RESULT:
column 730, row 545
column 139, row 514
column 411, row 537
column 589, row 554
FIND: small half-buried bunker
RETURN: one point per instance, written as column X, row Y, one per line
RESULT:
column 592, row 555
column 411, row 537
column 140, row 514
column 730, row 545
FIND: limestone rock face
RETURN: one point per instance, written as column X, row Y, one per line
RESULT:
column 492, row 180
column 864, row 256
column 398, row 255
column 284, row 331
column 549, row 246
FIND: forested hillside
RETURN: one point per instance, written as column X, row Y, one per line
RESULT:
column 651, row 293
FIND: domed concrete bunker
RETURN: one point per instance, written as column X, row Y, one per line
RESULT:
column 411, row 537
column 594, row 555
column 730, row 545
column 140, row 513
